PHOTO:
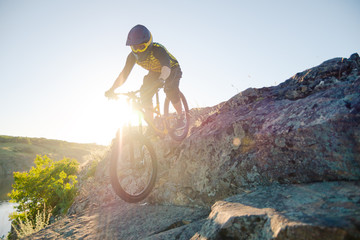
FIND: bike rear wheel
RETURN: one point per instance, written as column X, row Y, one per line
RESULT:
column 172, row 119
column 133, row 167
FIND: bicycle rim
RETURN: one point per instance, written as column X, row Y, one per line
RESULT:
column 133, row 168
column 171, row 117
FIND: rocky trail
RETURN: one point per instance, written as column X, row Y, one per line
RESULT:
column 121, row 220
column 280, row 162
column 307, row 211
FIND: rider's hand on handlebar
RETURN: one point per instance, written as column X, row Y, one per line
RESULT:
column 110, row 94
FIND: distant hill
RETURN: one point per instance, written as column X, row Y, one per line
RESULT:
column 18, row 153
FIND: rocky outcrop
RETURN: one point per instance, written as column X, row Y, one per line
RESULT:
column 304, row 130
column 281, row 162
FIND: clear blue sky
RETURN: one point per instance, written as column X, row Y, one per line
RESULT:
column 57, row 58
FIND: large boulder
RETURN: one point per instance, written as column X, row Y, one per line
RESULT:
column 301, row 131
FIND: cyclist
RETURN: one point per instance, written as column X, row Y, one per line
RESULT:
column 164, row 70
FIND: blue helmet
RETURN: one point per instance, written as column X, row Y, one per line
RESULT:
column 137, row 35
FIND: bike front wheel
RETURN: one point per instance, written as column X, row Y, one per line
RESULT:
column 133, row 167
column 177, row 125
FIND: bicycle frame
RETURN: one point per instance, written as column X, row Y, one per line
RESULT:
column 135, row 103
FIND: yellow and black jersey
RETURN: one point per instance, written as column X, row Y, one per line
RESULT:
column 152, row 60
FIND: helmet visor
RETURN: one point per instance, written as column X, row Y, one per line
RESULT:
column 139, row 47
column 142, row 46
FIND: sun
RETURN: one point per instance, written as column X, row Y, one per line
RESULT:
column 98, row 120
column 126, row 114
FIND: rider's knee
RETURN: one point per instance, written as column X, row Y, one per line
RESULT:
column 173, row 95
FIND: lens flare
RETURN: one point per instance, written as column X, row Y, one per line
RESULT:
column 127, row 115
column 236, row 142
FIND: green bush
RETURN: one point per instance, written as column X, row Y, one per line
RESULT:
column 50, row 183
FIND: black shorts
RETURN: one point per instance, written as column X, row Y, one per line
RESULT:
column 171, row 87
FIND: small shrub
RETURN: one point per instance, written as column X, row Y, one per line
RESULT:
column 49, row 183
column 28, row 226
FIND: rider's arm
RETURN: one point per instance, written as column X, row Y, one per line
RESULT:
column 162, row 55
column 165, row 72
column 120, row 80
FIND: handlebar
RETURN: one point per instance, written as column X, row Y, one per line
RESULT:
column 131, row 94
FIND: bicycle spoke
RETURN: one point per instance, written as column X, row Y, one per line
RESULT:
column 135, row 168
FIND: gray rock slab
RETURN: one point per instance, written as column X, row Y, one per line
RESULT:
column 328, row 210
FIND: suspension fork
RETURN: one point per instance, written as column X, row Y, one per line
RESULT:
column 157, row 106
column 140, row 118
column 140, row 125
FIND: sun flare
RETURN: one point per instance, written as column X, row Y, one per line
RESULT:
column 126, row 114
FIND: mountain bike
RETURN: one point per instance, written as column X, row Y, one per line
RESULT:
column 133, row 166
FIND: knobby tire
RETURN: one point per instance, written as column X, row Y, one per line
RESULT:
column 172, row 132
column 131, row 148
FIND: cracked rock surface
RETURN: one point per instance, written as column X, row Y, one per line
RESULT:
column 305, row 211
